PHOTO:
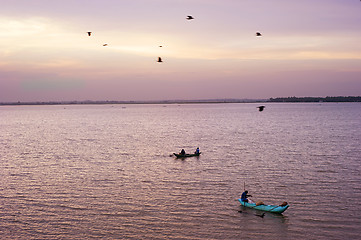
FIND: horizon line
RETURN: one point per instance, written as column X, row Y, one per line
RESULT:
column 225, row 100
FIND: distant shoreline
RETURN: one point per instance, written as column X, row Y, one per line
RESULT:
column 88, row 102
column 205, row 101
column 318, row 99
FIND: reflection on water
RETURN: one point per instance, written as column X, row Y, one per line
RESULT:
column 108, row 172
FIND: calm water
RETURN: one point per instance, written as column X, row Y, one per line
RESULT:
column 105, row 171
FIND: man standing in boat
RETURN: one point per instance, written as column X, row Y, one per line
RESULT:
column 244, row 196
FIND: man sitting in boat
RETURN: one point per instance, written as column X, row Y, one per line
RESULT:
column 183, row 152
column 197, row 151
column 244, row 196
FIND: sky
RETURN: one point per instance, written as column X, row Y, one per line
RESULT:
column 307, row 48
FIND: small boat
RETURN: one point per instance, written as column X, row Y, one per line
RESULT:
column 267, row 208
column 186, row 155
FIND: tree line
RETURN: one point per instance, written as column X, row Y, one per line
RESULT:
column 317, row 99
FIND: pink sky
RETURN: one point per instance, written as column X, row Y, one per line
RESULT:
column 308, row 48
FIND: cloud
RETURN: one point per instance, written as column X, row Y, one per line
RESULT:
column 44, row 45
column 51, row 84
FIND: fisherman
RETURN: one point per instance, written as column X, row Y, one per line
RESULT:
column 244, row 196
column 197, row 151
column 183, row 152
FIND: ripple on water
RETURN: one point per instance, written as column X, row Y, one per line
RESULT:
column 92, row 172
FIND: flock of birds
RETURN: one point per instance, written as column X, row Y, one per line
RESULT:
column 258, row 34
column 189, row 18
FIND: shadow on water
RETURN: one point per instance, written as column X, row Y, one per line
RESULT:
column 257, row 214
column 254, row 226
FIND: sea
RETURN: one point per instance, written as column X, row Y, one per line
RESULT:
column 108, row 171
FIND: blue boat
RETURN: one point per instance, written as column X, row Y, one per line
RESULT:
column 267, row 208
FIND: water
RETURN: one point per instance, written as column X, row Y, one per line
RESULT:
column 105, row 171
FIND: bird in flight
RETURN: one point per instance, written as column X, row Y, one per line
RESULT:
column 105, row 44
column 190, row 17
column 159, row 60
column 258, row 34
column 89, row 33
column 260, row 108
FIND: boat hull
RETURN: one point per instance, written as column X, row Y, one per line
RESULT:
column 266, row 208
column 186, row 155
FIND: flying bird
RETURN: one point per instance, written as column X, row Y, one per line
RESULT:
column 260, row 108
column 159, row 60
column 105, row 44
column 190, row 17
column 258, row 34
column 89, row 33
